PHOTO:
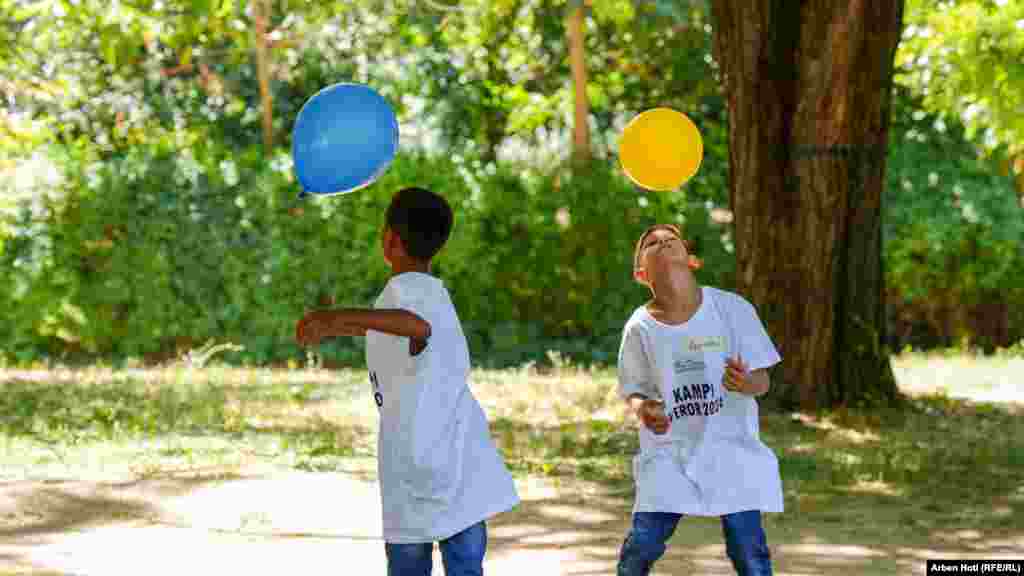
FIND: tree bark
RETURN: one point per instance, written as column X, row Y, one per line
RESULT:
column 808, row 85
column 577, row 53
column 261, row 14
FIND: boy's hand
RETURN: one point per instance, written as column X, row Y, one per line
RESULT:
column 652, row 414
column 312, row 328
column 321, row 324
column 737, row 375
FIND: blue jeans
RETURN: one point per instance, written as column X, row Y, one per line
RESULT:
column 462, row 555
column 745, row 542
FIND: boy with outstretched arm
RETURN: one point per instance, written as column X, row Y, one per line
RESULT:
column 440, row 473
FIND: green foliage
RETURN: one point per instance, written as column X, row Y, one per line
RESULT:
column 953, row 227
column 140, row 72
column 154, row 220
column 167, row 228
column 967, row 58
column 497, row 73
column 559, row 266
column 161, row 251
column 156, row 253
column 558, row 251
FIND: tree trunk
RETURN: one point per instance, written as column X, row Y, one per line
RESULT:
column 581, row 124
column 809, row 86
column 261, row 13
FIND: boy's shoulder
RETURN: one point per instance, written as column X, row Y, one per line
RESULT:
column 413, row 286
column 733, row 307
column 413, row 279
column 639, row 318
column 728, row 298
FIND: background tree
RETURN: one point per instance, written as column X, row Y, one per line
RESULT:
column 581, row 119
column 498, row 76
column 808, row 86
column 967, row 57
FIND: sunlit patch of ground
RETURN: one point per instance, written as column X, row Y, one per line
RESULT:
column 228, row 471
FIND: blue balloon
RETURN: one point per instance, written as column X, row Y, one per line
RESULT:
column 344, row 138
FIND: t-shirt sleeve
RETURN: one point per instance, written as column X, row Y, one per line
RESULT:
column 634, row 366
column 411, row 297
column 754, row 345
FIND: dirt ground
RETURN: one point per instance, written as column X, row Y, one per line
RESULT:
column 270, row 522
column 256, row 519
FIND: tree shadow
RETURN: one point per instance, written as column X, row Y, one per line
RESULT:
column 866, row 492
column 36, row 508
column 52, row 509
column 583, row 534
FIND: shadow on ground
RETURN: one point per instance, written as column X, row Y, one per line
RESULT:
column 867, row 492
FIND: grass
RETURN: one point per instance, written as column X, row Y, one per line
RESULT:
column 138, row 423
column 945, row 461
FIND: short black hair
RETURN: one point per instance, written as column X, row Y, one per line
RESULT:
column 422, row 219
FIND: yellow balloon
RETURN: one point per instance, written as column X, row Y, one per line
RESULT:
column 661, row 149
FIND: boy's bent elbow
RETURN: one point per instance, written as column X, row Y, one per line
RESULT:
column 421, row 328
column 761, row 381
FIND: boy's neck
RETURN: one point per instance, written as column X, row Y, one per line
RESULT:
column 676, row 298
column 410, row 265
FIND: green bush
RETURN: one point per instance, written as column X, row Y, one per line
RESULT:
column 154, row 252
column 954, row 237
column 138, row 263
column 551, row 265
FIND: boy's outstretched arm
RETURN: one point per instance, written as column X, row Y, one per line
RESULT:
column 320, row 324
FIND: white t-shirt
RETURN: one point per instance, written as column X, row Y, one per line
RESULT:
column 711, row 461
column 439, row 470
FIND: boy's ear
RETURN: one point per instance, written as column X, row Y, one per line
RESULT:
column 640, row 275
column 398, row 244
column 392, row 240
